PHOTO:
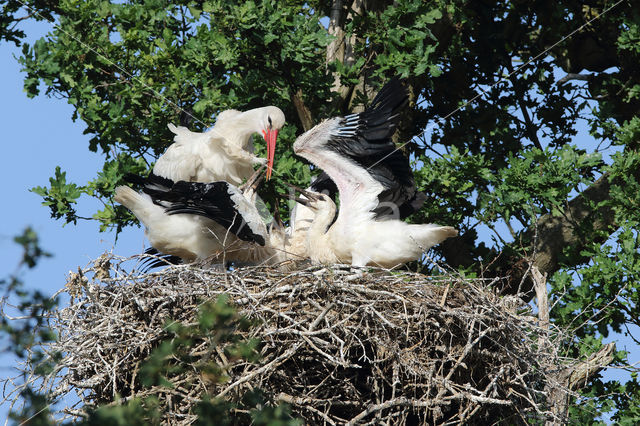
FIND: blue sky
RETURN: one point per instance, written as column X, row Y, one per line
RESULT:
column 38, row 135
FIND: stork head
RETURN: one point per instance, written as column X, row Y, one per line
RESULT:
column 319, row 201
column 270, row 122
column 313, row 200
column 324, row 209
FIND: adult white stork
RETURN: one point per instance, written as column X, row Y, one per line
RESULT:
column 223, row 204
column 197, row 221
column 375, row 185
column 224, row 152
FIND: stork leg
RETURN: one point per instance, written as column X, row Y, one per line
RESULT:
column 358, row 264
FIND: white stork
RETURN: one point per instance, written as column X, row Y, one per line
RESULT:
column 224, row 152
column 375, row 185
column 197, row 221
column 302, row 216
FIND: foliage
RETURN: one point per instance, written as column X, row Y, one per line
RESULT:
column 152, row 63
column 501, row 110
column 25, row 334
column 23, row 327
column 218, row 323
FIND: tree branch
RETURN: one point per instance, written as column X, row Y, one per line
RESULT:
column 304, row 114
column 573, row 76
column 554, row 235
column 573, row 378
column 557, row 233
column 531, row 128
column 336, row 49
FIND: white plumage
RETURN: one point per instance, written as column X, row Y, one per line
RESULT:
column 187, row 236
column 213, row 221
column 302, row 217
column 197, row 221
column 384, row 243
column 191, row 207
column 225, row 151
column 376, row 189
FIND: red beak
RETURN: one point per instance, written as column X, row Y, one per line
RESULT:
column 270, row 137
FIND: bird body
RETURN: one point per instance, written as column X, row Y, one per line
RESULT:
column 303, row 216
column 383, row 243
column 197, row 221
column 321, row 245
column 222, row 156
column 219, row 201
column 376, row 189
column 187, row 236
column 224, row 152
column 400, row 243
column 224, row 204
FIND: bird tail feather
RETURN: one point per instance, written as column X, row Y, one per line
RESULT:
column 429, row 235
column 140, row 205
column 127, row 197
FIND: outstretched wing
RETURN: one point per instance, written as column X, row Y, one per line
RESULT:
column 372, row 174
column 367, row 142
column 180, row 161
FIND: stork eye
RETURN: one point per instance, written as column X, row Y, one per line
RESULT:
column 270, row 123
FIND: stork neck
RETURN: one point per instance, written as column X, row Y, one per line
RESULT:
column 239, row 130
column 320, row 226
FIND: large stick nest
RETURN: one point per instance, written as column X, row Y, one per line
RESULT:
column 381, row 347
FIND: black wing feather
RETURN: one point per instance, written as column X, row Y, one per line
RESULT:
column 381, row 117
column 154, row 185
column 211, row 200
column 365, row 139
column 325, row 185
column 160, row 259
column 151, row 181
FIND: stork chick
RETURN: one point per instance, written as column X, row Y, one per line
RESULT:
column 387, row 243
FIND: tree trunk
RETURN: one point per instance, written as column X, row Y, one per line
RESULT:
column 303, row 112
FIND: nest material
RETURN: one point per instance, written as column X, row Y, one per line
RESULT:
column 381, row 347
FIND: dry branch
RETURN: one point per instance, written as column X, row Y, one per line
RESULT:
column 383, row 347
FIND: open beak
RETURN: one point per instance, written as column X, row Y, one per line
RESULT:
column 270, row 136
column 310, row 195
column 303, row 201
